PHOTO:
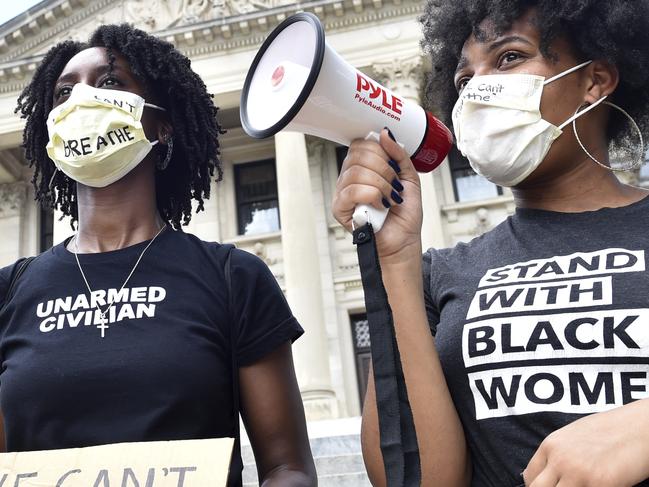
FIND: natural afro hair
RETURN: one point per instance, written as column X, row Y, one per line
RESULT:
column 169, row 80
column 616, row 31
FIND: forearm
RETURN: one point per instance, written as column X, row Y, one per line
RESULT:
column 285, row 477
column 272, row 410
column 444, row 457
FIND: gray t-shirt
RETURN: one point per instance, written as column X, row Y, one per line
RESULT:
column 539, row 322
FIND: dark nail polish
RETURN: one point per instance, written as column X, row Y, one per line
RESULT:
column 397, row 185
column 395, row 196
column 395, row 166
column 385, row 202
column 390, row 134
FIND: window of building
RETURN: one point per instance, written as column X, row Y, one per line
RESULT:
column 361, row 337
column 46, row 229
column 468, row 185
column 256, row 193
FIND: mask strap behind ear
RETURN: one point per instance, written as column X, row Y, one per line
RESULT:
column 151, row 105
column 567, row 72
column 56, row 169
column 579, row 114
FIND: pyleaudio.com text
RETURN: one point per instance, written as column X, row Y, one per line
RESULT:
column 365, row 101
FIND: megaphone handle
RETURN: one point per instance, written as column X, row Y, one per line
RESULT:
column 367, row 213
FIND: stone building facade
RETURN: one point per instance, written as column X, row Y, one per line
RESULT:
column 275, row 199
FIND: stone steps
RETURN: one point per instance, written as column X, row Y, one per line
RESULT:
column 333, row 471
column 337, row 456
column 354, row 479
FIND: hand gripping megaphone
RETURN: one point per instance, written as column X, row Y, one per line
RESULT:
column 297, row 82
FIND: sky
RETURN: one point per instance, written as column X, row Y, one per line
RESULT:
column 11, row 8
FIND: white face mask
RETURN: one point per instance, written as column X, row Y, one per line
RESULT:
column 96, row 135
column 498, row 125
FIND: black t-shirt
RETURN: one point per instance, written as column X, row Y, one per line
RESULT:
column 539, row 322
column 163, row 370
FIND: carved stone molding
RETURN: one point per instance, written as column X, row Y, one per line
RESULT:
column 45, row 28
column 320, row 405
column 231, row 25
column 260, row 251
column 353, row 285
column 315, row 149
column 482, row 222
column 338, row 231
column 12, row 198
column 403, row 76
column 163, row 14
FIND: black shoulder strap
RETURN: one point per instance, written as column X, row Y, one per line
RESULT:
column 234, row 477
column 21, row 268
column 233, row 339
column 398, row 437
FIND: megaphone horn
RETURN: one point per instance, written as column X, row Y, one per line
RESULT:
column 297, row 82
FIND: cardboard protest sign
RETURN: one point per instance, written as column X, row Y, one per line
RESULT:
column 186, row 463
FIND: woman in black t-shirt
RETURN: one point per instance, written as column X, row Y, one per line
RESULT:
column 539, row 364
column 132, row 330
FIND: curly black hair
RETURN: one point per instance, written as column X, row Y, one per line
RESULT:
column 616, row 31
column 167, row 75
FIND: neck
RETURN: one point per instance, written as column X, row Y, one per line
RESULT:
column 585, row 187
column 118, row 215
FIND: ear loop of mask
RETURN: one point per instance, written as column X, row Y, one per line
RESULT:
column 151, row 105
column 56, row 169
column 573, row 119
column 578, row 114
column 566, row 72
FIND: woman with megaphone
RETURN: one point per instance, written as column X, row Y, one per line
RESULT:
column 525, row 352
column 132, row 330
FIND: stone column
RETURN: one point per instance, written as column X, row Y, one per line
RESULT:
column 302, row 274
column 30, row 221
column 12, row 200
column 405, row 77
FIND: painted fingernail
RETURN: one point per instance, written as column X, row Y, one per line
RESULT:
column 395, row 196
column 390, row 134
column 397, row 185
column 386, row 203
column 394, row 165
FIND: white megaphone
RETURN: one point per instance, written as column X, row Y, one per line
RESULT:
column 299, row 83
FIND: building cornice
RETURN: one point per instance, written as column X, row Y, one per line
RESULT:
column 53, row 19
column 242, row 33
column 213, row 37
